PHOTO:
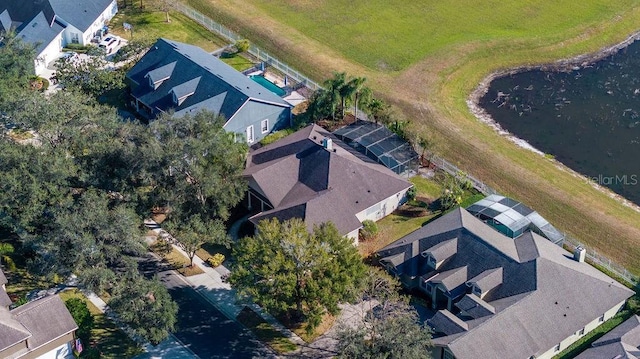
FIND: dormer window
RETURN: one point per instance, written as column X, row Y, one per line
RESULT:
column 476, row 290
column 179, row 100
column 156, row 84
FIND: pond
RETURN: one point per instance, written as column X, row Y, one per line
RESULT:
column 587, row 118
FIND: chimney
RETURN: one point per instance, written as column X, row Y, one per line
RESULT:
column 327, row 143
column 579, row 254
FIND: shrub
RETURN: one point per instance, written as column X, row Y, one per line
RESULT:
column 76, row 47
column 241, row 46
column 82, row 316
column 411, row 193
column 273, row 137
column 216, row 260
column 369, row 230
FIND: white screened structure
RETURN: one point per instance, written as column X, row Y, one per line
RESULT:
column 513, row 218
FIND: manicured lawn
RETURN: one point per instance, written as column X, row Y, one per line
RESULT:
column 178, row 262
column 426, row 58
column 238, row 62
column 109, row 339
column 265, row 332
column 152, row 24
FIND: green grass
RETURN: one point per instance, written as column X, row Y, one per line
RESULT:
column 152, row 24
column 383, row 34
column 265, row 332
column 238, row 62
column 585, row 342
column 426, row 187
column 445, row 50
column 112, row 342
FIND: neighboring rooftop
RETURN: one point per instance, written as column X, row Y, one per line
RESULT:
column 38, row 322
column 380, row 144
column 301, row 178
column 623, row 342
column 513, row 218
column 187, row 79
column 531, row 293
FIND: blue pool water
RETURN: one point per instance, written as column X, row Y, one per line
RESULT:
column 268, row 85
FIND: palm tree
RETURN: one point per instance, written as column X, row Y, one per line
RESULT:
column 377, row 108
column 334, row 90
column 5, row 250
column 359, row 91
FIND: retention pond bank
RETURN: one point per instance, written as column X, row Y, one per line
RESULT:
column 587, row 116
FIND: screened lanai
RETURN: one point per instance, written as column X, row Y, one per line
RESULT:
column 513, row 218
column 380, row 144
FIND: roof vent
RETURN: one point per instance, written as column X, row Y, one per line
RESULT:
column 579, row 254
column 327, row 143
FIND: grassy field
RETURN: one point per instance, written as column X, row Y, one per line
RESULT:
column 152, row 24
column 426, row 57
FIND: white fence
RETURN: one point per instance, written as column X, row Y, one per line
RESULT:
column 260, row 54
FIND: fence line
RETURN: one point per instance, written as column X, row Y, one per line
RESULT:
column 569, row 242
column 254, row 50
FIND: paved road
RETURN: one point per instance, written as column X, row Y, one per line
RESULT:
column 203, row 328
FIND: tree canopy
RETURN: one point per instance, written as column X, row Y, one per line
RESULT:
column 76, row 181
column 390, row 328
column 289, row 270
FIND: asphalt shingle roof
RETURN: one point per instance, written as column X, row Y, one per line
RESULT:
column 297, row 175
column 46, row 319
column 621, row 342
column 80, row 14
column 544, row 296
column 221, row 89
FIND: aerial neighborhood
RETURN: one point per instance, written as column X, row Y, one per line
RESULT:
column 252, row 179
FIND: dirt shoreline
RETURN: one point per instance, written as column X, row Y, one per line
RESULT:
column 562, row 65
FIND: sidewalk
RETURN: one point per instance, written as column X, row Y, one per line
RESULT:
column 220, row 294
column 168, row 348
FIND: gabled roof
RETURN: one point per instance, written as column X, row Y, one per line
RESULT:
column 45, row 319
column 221, row 89
column 12, row 331
column 475, row 307
column 40, row 32
column 300, row 178
column 544, row 296
column 622, row 342
column 80, row 14
column 5, row 301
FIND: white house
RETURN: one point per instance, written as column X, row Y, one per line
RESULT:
column 52, row 24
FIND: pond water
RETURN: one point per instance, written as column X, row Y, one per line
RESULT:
column 588, row 118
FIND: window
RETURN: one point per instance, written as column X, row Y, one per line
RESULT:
column 74, row 38
column 601, row 319
column 447, row 355
column 250, row 138
column 476, row 290
column 265, row 126
column 556, row 348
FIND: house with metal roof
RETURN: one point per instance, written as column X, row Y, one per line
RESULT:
column 623, row 342
column 185, row 79
column 499, row 297
column 52, row 24
column 40, row 329
column 314, row 176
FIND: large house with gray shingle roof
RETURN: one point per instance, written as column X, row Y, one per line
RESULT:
column 185, row 79
column 623, row 342
column 500, row 297
column 41, row 329
column 314, row 176
column 52, row 24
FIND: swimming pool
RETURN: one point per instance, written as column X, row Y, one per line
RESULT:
column 268, row 85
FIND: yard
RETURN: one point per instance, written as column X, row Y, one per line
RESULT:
column 112, row 342
column 420, row 57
